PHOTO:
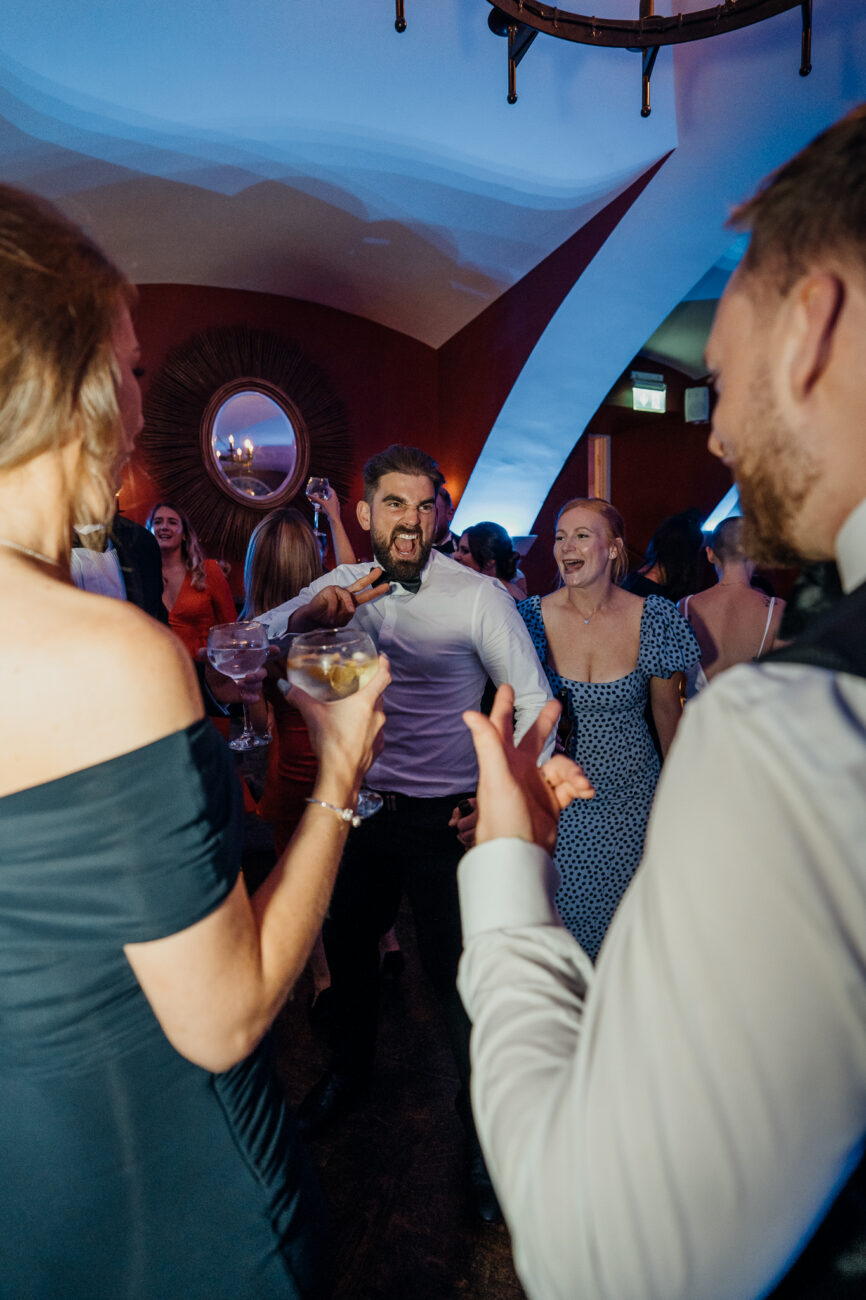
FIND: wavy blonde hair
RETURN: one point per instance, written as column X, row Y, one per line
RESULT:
column 282, row 558
column 59, row 299
column 190, row 546
column 615, row 529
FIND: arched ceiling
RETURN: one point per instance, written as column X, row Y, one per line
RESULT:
column 308, row 149
column 741, row 111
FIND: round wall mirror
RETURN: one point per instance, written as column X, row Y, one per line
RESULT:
column 232, row 422
column 254, row 445
column 253, row 442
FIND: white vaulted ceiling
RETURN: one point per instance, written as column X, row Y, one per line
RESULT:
column 308, row 149
column 303, row 147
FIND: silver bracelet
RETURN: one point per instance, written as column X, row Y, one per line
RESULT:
column 345, row 814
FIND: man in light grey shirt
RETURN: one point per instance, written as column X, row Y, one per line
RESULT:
column 675, row 1123
column 445, row 630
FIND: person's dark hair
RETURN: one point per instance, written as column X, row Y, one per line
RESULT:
column 400, row 459
column 190, row 546
column 283, row 557
column 813, row 205
column 59, row 299
column 675, row 547
column 615, row 529
column 490, row 542
column 444, row 495
column 726, row 542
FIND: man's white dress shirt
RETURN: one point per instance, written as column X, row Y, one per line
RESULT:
column 98, row 571
column 442, row 641
column 673, row 1124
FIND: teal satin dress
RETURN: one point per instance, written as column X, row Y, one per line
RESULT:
column 127, row 1171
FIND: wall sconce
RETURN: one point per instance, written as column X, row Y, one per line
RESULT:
column 648, row 392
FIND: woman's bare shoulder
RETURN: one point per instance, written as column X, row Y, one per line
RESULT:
column 131, row 658
column 93, row 678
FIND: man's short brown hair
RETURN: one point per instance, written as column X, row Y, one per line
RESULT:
column 400, row 459
column 813, row 206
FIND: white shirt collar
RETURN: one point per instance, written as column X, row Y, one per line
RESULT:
column 851, row 548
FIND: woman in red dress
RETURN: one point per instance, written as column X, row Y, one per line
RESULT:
column 195, row 591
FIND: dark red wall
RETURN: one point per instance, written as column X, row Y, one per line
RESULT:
column 396, row 389
column 387, row 381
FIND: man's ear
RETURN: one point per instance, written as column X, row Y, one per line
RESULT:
column 819, row 299
column 711, row 555
column 362, row 510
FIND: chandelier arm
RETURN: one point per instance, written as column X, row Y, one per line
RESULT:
column 520, row 37
column 648, row 62
column 654, row 30
column 806, row 40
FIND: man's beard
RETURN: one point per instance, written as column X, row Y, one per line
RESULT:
column 396, row 568
column 774, row 487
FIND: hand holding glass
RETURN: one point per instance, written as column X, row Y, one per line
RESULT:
column 330, row 664
column 235, row 649
column 316, row 487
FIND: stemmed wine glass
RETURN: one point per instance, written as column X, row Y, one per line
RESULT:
column 330, row 664
column 316, row 487
column 236, row 649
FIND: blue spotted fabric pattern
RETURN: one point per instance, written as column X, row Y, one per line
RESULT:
column 600, row 840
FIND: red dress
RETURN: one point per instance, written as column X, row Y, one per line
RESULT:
column 292, row 767
column 194, row 613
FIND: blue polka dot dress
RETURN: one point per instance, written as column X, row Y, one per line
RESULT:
column 600, row 840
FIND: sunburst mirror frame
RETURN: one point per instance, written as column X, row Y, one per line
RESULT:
column 179, row 408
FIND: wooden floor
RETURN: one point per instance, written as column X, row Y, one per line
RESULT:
column 393, row 1172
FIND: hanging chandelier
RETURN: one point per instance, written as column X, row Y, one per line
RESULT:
column 522, row 20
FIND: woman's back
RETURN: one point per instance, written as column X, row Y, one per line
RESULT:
column 119, row 825
column 733, row 623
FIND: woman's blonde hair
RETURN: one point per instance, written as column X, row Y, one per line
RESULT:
column 190, row 546
column 59, row 300
column 615, row 529
column 283, row 557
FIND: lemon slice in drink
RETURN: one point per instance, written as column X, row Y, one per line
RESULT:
column 343, row 679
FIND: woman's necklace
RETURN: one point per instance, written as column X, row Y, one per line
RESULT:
column 34, row 555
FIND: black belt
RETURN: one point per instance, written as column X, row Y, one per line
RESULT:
column 392, row 801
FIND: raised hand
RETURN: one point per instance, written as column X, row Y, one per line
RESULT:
column 328, row 502
column 516, row 797
column 335, row 606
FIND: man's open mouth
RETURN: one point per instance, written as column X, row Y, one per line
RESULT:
column 405, row 544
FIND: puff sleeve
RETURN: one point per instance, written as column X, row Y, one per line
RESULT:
column 668, row 644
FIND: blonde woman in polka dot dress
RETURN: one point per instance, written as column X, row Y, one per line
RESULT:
column 606, row 652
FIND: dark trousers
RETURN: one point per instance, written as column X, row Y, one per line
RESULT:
column 409, row 846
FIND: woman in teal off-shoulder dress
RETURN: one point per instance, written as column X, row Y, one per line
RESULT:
column 606, row 653
column 145, row 1147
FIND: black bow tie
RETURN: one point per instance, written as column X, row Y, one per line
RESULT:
column 411, row 584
